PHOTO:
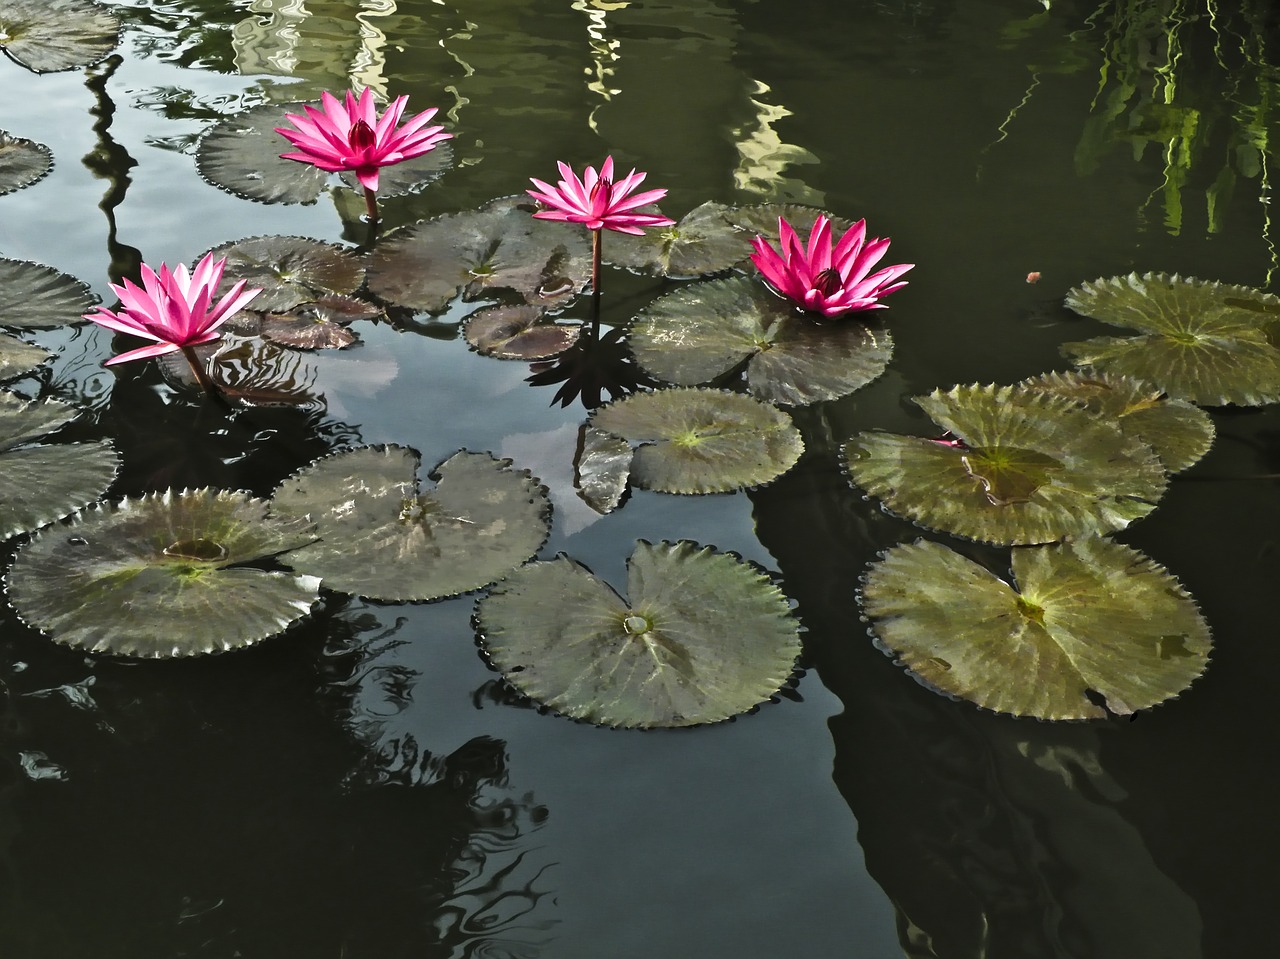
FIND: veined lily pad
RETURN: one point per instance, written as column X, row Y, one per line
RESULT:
column 704, row 241
column 164, row 575
column 381, row 538
column 291, row 270
column 1090, row 617
column 1208, row 343
column 22, row 162
column 479, row 253
column 318, row 325
column 50, row 35
column 18, row 357
column 699, row 440
column 1178, row 431
column 32, row 296
column 705, row 330
column 514, row 333
column 704, row 637
column 762, row 219
column 45, row 483
column 601, row 469
column 241, row 154
column 1022, row 467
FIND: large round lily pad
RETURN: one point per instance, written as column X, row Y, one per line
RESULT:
column 22, row 162
column 488, row 253
column 1091, row 627
column 50, row 35
column 1205, row 342
column 164, row 575
column 703, row 331
column 1180, row 432
column 319, row 324
column 290, row 270
column 703, row 242
column 1016, row 466
column 45, row 483
column 699, row 440
column 383, row 538
column 241, row 154
column 762, row 219
column 704, row 637
column 34, row 296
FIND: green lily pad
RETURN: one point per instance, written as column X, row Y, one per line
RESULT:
column 381, row 538
column 34, row 296
column 290, row 270
column 1023, row 467
column 22, row 162
column 482, row 254
column 515, row 333
column 703, row 331
column 18, row 357
column 241, row 154
column 1089, row 621
column 762, row 219
column 704, row 637
column 700, row 440
column 601, row 469
column 703, row 242
column 50, row 35
column 45, row 483
column 1180, row 432
column 318, row 325
column 164, row 575
column 1208, row 343
column 251, row 371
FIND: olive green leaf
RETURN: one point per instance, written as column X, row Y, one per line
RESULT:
column 1080, row 623
column 517, row 333
column 50, row 35
column 703, row 242
column 33, row 296
column 22, row 162
column 290, row 270
column 703, row 637
column 18, row 357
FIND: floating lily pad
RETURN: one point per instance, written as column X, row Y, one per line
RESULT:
column 762, row 219
column 601, row 469
column 290, row 270
column 1208, row 343
column 704, row 637
column 482, row 254
column 22, row 162
column 1180, row 432
column 318, row 325
column 33, row 296
column 515, row 333
column 45, row 483
column 705, row 330
column 1020, row 467
column 165, row 575
column 381, row 538
column 704, row 241
column 50, row 35
column 1089, row 621
column 241, row 154
column 18, row 357
column 251, row 371
column 699, row 440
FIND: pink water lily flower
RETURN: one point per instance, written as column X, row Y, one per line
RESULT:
column 173, row 308
column 353, row 137
column 597, row 201
column 825, row 278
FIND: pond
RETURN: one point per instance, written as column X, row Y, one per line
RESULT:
column 367, row 783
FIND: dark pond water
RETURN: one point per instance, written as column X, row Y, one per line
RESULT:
column 364, row 787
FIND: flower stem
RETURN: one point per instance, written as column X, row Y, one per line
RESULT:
column 371, row 204
column 201, row 374
column 597, row 242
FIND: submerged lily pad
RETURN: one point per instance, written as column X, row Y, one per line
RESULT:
column 382, row 538
column 318, row 325
column 18, row 357
column 1180, row 432
column 241, row 154
column 481, row 254
column 1020, row 467
column 34, row 296
column 22, row 162
column 164, row 575
column 704, row 637
column 704, row 241
column 1208, row 343
column 45, row 483
column 705, row 330
column 515, row 333
column 251, row 371
column 1088, row 621
column 50, row 35
column 699, row 440
column 290, row 270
